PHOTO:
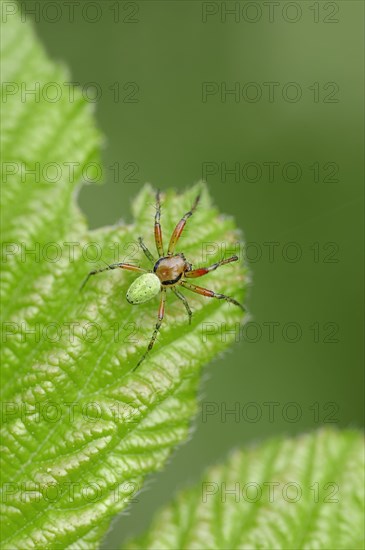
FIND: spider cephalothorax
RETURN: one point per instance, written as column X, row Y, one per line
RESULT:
column 168, row 272
column 170, row 269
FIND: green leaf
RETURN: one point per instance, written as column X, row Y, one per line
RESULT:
column 287, row 493
column 81, row 429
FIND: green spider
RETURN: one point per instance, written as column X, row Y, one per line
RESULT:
column 168, row 271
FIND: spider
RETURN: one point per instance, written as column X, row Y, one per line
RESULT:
column 168, row 272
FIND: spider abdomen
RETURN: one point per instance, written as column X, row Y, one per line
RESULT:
column 143, row 289
column 170, row 269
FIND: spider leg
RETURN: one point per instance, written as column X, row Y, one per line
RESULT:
column 160, row 316
column 185, row 302
column 210, row 294
column 146, row 251
column 180, row 226
column 204, row 270
column 130, row 267
column 158, row 230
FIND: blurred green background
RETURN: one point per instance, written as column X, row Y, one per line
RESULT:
column 158, row 55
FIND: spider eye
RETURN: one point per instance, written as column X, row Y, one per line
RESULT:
column 143, row 289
